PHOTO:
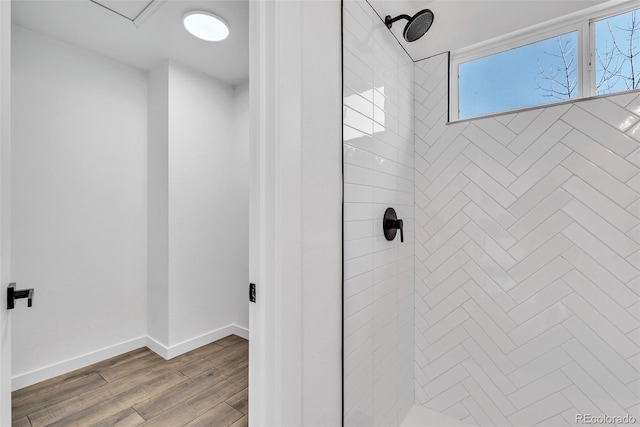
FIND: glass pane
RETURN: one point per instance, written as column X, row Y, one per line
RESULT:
column 538, row 73
column 617, row 53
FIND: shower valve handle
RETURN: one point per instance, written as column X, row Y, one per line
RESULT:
column 391, row 224
column 396, row 224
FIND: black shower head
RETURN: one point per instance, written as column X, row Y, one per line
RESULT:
column 417, row 26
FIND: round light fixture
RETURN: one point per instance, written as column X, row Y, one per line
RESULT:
column 206, row 26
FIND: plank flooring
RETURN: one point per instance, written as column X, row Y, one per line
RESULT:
column 204, row 387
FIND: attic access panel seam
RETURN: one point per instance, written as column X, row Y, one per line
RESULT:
column 123, row 14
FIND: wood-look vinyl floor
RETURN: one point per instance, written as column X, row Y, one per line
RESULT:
column 204, row 387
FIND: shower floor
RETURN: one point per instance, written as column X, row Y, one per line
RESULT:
column 204, row 387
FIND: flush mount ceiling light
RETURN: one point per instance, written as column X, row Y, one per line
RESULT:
column 206, row 26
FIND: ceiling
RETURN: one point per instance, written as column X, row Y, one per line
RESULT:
column 145, row 43
column 142, row 34
column 462, row 23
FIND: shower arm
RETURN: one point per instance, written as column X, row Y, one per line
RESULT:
column 388, row 20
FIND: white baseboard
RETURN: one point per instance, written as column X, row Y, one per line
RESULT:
column 28, row 378
column 157, row 347
column 167, row 352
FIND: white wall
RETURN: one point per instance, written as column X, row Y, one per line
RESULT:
column 208, row 207
column 378, row 173
column 78, row 201
column 241, row 126
column 81, row 188
column 527, row 259
column 158, row 206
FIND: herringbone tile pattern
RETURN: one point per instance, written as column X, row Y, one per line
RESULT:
column 527, row 305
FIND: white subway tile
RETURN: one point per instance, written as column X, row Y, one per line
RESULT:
column 445, row 343
column 600, row 131
column 551, row 405
column 539, row 367
column 610, row 260
column 489, row 305
column 541, row 234
column 522, row 397
column 591, row 150
column 496, row 150
column 446, row 232
column 445, row 362
column 447, row 157
column 489, row 246
column 599, row 372
column 541, row 278
column 446, row 324
column 539, row 169
column 489, row 326
column 540, row 301
column 539, row 345
column 581, row 402
column 357, row 175
column 601, row 350
column 357, row 248
column 478, row 417
column 496, row 363
column 536, row 151
column 496, row 129
column 601, row 301
column 539, row 191
column 600, row 180
column 489, row 185
column 452, row 245
column 488, row 225
column 519, row 121
column 445, row 381
column 611, row 113
column 540, row 257
column 451, row 396
column 540, row 323
column 488, row 164
column 539, row 214
column 354, row 230
column 490, row 206
column 483, row 403
column 600, row 204
column 447, row 286
column 601, row 325
column 536, row 128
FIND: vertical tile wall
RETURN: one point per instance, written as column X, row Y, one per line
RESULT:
column 527, row 259
column 378, row 173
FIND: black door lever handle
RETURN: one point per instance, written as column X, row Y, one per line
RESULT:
column 13, row 295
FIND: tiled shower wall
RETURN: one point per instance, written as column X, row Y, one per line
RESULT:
column 378, row 173
column 527, row 256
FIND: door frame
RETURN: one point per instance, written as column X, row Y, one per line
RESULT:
column 295, row 326
column 5, row 210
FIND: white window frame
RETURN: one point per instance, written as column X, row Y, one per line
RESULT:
column 582, row 22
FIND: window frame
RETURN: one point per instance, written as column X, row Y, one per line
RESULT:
column 582, row 22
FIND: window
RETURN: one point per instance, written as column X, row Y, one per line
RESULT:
column 583, row 57
column 617, row 53
column 529, row 75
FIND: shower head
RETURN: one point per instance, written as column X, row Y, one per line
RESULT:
column 417, row 26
